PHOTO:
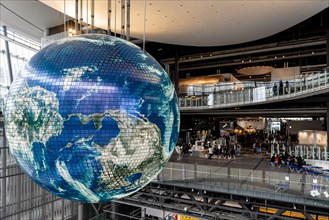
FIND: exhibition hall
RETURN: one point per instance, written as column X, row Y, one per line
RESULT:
column 164, row 110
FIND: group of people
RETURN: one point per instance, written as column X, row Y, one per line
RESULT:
column 282, row 89
column 283, row 158
column 231, row 150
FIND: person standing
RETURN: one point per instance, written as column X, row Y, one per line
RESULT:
column 238, row 149
column 280, row 87
column 275, row 89
column 287, row 88
column 210, row 152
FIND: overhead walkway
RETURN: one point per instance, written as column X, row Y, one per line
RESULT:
column 243, row 94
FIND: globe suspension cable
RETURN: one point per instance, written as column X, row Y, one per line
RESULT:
column 144, row 25
column 87, row 17
column 115, row 18
column 81, row 15
column 64, row 18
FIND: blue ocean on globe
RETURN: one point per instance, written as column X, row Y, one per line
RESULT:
column 92, row 118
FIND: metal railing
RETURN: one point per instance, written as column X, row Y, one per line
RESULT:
column 298, row 187
column 237, row 94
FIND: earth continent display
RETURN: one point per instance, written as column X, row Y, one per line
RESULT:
column 92, row 118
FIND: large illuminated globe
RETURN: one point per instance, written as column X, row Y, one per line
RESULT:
column 92, row 118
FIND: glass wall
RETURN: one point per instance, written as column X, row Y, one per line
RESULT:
column 20, row 198
column 21, row 49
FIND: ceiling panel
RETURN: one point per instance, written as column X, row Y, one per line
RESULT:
column 184, row 22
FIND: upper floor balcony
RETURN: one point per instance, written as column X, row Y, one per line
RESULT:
column 236, row 94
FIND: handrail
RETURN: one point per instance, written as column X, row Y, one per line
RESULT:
column 233, row 94
column 264, row 182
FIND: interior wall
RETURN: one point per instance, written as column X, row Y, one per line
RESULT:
column 295, row 126
column 287, row 73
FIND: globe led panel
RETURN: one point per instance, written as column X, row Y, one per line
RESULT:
column 92, row 118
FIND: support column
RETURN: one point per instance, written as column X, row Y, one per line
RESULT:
column 3, row 179
column 81, row 15
column 19, row 194
column 10, row 70
column 46, row 32
column 128, row 21
column 109, row 12
column 63, row 209
column 143, row 214
column 74, row 210
column 176, row 71
column 123, row 17
column 327, row 127
column 80, row 211
column 76, row 16
column 328, row 47
column 92, row 15
column 114, row 210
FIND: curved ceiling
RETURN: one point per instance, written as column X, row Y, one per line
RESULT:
column 191, row 22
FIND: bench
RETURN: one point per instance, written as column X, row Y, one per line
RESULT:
column 281, row 187
column 311, row 173
column 296, row 168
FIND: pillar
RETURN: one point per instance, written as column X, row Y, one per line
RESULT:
column 328, row 46
column 114, row 210
column 10, row 70
column 3, row 176
column 109, row 12
column 81, row 15
column 327, row 127
column 143, row 214
column 128, row 21
column 123, row 17
column 76, row 16
column 92, row 15
column 80, row 211
column 175, row 78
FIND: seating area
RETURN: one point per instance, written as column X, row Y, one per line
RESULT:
column 320, row 177
column 313, row 171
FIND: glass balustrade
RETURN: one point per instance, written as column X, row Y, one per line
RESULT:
column 279, row 184
column 244, row 93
